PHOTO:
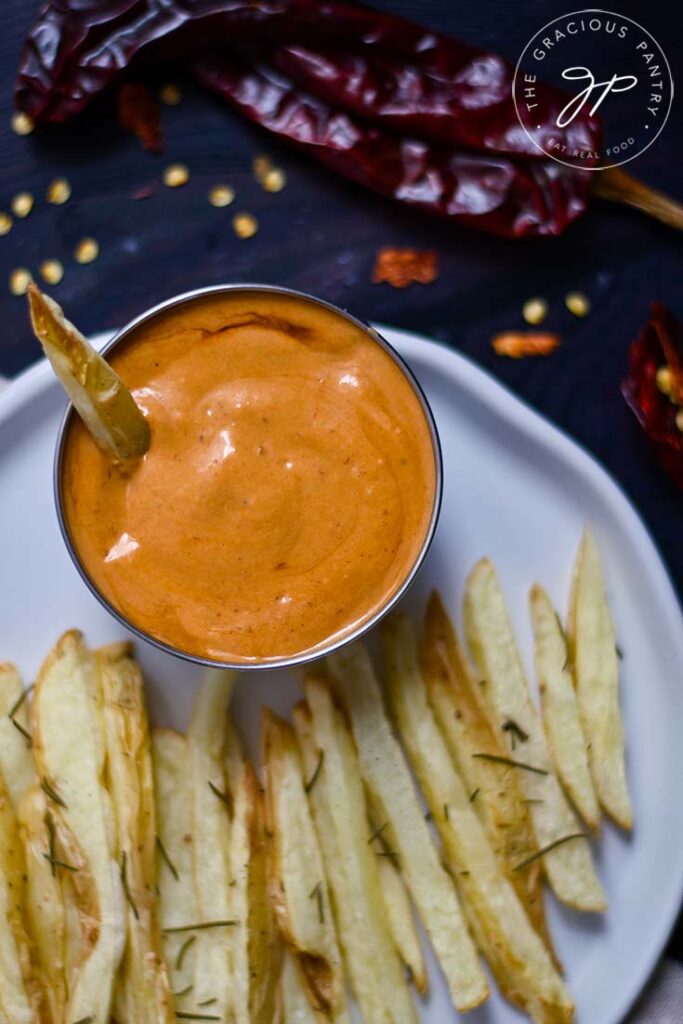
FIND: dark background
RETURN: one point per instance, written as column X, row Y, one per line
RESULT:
column 321, row 235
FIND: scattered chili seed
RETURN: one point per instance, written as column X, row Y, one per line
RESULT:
column 170, row 94
column 401, row 267
column 261, row 166
column 221, row 195
column 517, row 344
column 58, row 191
column 664, row 380
column 22, row 204
column 51, row 271
column 275, row 180
column 679, row 420
column 19, row 280
column 5, row 223
column 86, row 251
column 176, row 175
column 245, row 225
column 535, row 311
column 22, row 124
column 577, row 303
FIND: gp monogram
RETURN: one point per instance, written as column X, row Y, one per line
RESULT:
column 611, row 68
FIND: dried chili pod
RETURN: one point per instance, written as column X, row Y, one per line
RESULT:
column 654, row 387
column 466, row 103
column 420, row 82
column 507, row 197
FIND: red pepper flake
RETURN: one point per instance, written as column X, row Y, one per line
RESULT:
column 138, row 112
column 401, row 267
column 518, row 344
column 659, row 346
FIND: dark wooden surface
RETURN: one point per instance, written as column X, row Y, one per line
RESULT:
column 321, row 235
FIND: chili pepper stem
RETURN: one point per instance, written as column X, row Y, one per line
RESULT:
column 617, row 186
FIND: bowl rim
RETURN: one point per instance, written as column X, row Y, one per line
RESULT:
column 324, row 649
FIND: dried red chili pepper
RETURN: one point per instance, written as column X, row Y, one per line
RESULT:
column 138, row 112
column 468, row 102
column 421, row 82
column 659, row 347
column 492, row 192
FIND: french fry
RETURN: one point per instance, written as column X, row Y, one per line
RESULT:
column 566, row 855
column 16, row 763
column 257, row 950
column 335, row 789
column 210, row 800
column 402, row 924
column 100, row 397
column 559, row 708
column 388, row 778
column 493, row 787
column 21, row 998
column 142, row 990
column 177, row 899
column 596, row 672
column 69, row 751
column 296, row 1008
column 516, row 953
column 45, row 910
column 297, row 884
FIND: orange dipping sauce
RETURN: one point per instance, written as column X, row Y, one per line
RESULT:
column 288, row 489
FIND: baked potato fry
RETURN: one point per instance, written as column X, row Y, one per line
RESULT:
column 335, row 789
column 100, row 397
column 211, row 805
column 402, row 924
column 257, row 946
column 16, row 762
column 45, row 910
column 388, row 778
column 69, row 751
column 142, row 990
column 21, row 997
column 175, row 877
column 566, row 855
column 516, row 953
column 493, row 787
column 297, row 884
column 559, row 708
column 596, row 673
column 296, row 1009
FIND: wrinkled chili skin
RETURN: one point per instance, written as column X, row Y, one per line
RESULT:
column 467, row 103
column 507, row 197
column 401, row 75
column 658, row 344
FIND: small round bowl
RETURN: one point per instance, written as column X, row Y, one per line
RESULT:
column 323, row 649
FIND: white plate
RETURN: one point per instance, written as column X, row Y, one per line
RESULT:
column 516, row 489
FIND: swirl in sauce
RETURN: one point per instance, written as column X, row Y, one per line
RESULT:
column 287, row 490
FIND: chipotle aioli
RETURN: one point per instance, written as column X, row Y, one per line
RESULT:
column 287, row 490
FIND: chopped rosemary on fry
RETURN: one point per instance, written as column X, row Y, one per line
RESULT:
column 316, row 772
column 515, row 730
column 474, row 794
column 195, row 1016
column 19, row 701
column 378, row 832
column 53, row 795
column 180, row 959
column 24, row 732
column 166, row 859
column 546, row 849
column 184, row 992
column 510, row 761
column 126, row 888
column 56, row 863
column 224, row 797
column 317, row 891
column 446, row 813
column 200, row 926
